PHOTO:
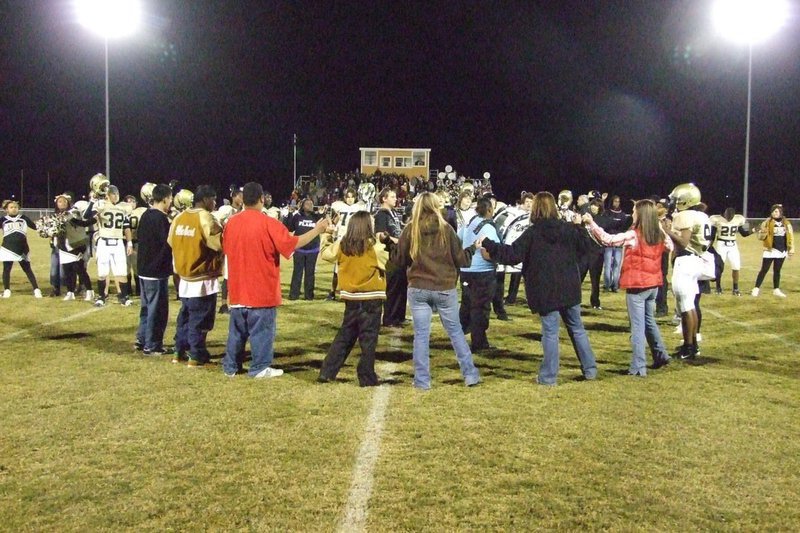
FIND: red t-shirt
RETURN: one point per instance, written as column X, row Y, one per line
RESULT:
column 253, row 244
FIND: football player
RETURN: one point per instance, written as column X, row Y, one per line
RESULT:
column 690, row 229
column 113, row 245
column 728, row 226
column 342, row 211
column 222, row 215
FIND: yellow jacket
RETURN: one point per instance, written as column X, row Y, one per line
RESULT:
column 767, row 231
column 361, row 277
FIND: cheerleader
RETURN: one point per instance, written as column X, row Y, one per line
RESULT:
column 15, row 247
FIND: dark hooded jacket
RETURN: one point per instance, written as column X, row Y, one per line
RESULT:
column 437, row 267
column 549, row 250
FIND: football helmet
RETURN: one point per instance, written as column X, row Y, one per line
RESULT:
column 684, row 196
column 183, row 199
column 99, row 184
column 366, row 192
column 146, row 192
column 564, row 199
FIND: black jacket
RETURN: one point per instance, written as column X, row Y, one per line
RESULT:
column 549, row 250
column 154, row 256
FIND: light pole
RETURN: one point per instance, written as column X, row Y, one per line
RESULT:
column 111, row 19
column 749, row 22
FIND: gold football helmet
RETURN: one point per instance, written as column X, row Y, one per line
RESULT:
column 146, row 192
column 99, row 184
column 565, row 199
column 684, row 196
column 183, row 199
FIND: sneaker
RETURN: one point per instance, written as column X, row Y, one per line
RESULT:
column 7, row 293
column 269, row 372
column 661, row 360
column 194, row 363
column 599, row 308
column 504, row 318
column 37, row 293
column 719, row 290
column 777, row 292
column 69, row 296
column 755, row 291
column 156, row 351
column 138, row 346
column 687, row 352
column 89, row 296
column 99, row 303
column 330, row 297
column 737, row 292
column 128, row 302
column 178, row 357
column 230, row 374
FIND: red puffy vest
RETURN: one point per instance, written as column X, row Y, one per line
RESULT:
column 641, row 266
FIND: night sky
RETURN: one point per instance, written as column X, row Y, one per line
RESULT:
column 630, row 97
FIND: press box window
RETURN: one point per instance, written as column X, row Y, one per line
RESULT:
column 370, row 158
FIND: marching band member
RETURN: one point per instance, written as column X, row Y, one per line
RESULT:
column 15, row 247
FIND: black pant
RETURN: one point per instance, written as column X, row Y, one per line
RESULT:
column 394, row 309
column 661, row 296
column 776, row 271
column 303, row 264
column 595, row 273
column 25, row 266
column 78, row 268
column 476, row 298
column 362, row 322
column 513, row 287
column 498, row 303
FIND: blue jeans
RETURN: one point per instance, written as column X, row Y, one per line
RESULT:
column 153, row 314
column 56, row 270
column 423, row 302
column 642, row 315
column 548, row 371
column 612, row 264
column 258, row 325
column 195, row 320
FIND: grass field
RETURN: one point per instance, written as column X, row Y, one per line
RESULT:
column 97, row 437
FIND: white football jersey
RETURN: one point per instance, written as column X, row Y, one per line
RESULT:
column 727, row 230
column 511, row 222
column 345, row 212
column 135, row 218
column 699, row 224
column 113, row 219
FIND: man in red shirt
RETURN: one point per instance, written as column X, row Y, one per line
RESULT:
column 253, row 244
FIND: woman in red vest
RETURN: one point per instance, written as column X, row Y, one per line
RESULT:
column 641, row 276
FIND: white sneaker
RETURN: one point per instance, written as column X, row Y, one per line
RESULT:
column 37, row 293
column 269, row 372
column 128, row 302
column 779, row 293
column 755, row 291
column 699, row 337
column 69, row 296
column 89, row 296
column 7, row 293
column 99, row 303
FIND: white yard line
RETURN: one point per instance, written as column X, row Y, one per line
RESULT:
column 748, row 325
column 357, row 507
column 63, row 319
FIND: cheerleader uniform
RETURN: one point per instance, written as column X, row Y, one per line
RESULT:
column 15, row 249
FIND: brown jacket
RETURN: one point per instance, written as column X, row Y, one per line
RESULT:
column 767, row 230
column 196, row 247
column 437, row 267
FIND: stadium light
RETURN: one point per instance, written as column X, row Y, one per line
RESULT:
column 110, row 19
column 749, row 22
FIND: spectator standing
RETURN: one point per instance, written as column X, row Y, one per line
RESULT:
column 305, row 258
column 618, row 221
column 643, row 247
column 57, row 275
column 253, row 243
column 388, row 229
column 478, row 280
column 154, row 268
column 362, row 278
column 778, row 238
column 549, row 251
column 432, row 254
column 197, row 257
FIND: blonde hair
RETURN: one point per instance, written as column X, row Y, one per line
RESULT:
column 427, row 208
column 647, row 221
column 6, row 203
